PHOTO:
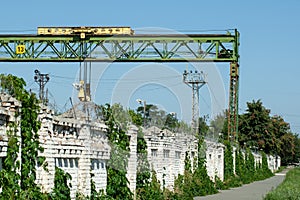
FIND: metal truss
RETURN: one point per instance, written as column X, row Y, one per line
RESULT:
column 136, row 48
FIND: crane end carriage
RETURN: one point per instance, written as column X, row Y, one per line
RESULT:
column 84, row 30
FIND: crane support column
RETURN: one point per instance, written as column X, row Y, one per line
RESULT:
column 233, row 102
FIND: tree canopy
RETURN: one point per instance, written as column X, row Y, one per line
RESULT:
column 259, row 130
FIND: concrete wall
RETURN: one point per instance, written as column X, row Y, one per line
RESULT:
column 214, row 159
column 166, row 153
column 274, row 162
column 81, row 148
column 77, row 147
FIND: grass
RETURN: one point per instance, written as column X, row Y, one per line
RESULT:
column 281, row 168
column 289, row 189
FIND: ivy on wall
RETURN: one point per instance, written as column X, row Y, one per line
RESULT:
column 19, row 176
column 117, row 183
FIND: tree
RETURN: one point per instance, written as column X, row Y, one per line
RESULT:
column 257, row 129
column 171, row 122
column 153, row 116
column 284, row 142
column 297, row 149
column 254, row 127
column 203, row 128
column 218, row 123
column 121, row 116
column 287, row 152
column 136, row 118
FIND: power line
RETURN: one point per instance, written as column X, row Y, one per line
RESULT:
column 123, row 79
column 219, row 105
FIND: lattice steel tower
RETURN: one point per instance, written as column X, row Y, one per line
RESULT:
column 41, row 79
column 195, row 80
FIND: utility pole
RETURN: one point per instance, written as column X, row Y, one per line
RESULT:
column 41, row 80
column 195, row 80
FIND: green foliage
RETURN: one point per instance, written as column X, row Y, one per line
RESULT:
column 239, row 163
column 228, row 161
column 144, row 188
column 264, row 166
column 248, row 173
column 288, row 189
column 152, row 115
column 218, row 122
column 28, row 142
column 203, row 128
column 152, row 190
column 254, row 127
column 95, row 195
column 9, row 176
column 271, row 134
column 116, row 171
column 287, row 152
column 80, row 196
column 297, row 149
column 195, row 183
column 219, row 185
column 201, row 183
column 171, row 122
column 61, row 190
column 120, row 116
column 136, row 118
column 187, row 163
column 245, row 169
column 230, row 180
column 143, row 167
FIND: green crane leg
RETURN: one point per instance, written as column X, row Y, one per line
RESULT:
column 233, row 102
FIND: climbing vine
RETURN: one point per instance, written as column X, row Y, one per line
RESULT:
column 246, row 170
column 24, row 183
column 10, row 176
column 61, row 190
column 117, row 183
column 228, row 161
column 196, row 182
column 143, row 167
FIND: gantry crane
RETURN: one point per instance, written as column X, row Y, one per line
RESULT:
column 121, row 44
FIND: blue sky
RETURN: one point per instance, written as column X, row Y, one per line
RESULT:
column 269, row 65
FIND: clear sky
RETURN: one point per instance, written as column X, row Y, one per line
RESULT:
column 269, row 65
